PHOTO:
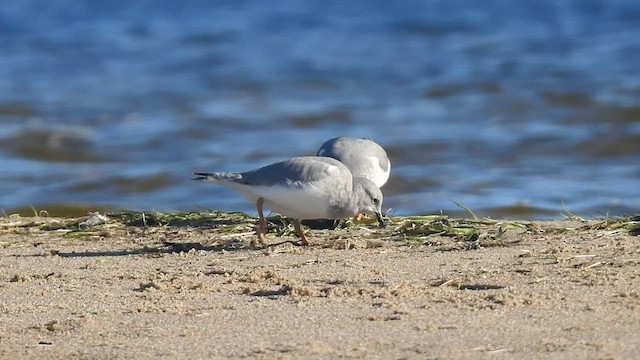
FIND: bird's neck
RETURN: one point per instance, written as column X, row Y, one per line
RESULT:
column 348, row 208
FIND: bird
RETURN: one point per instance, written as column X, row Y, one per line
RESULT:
column 364, row 157
column 303, row 188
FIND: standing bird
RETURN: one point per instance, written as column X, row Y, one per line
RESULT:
column 364, row 157
column 303, row 188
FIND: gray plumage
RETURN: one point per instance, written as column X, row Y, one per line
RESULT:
column 309, row 187
column 364, row 157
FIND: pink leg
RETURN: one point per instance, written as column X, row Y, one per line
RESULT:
column 262, row 223
column 300, row 233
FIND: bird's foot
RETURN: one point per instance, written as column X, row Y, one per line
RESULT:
column 298, row 228
column 361, row 217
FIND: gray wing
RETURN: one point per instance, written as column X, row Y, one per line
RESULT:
column 218, row 177
column 296, row 171
column 332, row 147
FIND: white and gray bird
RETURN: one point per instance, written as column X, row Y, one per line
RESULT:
column 303, row 188
column 364, row 157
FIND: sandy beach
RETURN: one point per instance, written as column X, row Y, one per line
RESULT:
column 189, row 286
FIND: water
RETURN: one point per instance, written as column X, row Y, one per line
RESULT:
column 513, row 109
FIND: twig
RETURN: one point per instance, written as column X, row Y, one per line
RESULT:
column 594, row 265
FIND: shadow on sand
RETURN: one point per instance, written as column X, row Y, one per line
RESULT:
column 168, row 247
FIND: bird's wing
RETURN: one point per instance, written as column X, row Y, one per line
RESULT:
column 296, row 171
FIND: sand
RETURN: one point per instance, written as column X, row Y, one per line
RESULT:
column 122, row 290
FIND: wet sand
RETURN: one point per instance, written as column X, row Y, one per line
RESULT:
column 559, row 290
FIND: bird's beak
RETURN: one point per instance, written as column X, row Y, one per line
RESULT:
column 380, row 219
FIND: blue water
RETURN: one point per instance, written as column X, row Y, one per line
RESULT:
column 512, row 108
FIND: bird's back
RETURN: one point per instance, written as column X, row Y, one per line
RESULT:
column 297, row 171
column 364, row 157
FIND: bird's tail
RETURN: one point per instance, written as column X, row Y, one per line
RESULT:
column 218, row 177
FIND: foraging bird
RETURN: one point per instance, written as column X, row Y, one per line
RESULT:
column 364, row 157
column 303, row 188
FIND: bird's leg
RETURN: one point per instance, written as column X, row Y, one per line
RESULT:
column 262, row 223
column 300, row 233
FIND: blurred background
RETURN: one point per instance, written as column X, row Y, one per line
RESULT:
column 516, row 109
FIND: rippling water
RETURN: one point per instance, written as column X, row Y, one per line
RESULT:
column 512, row 108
